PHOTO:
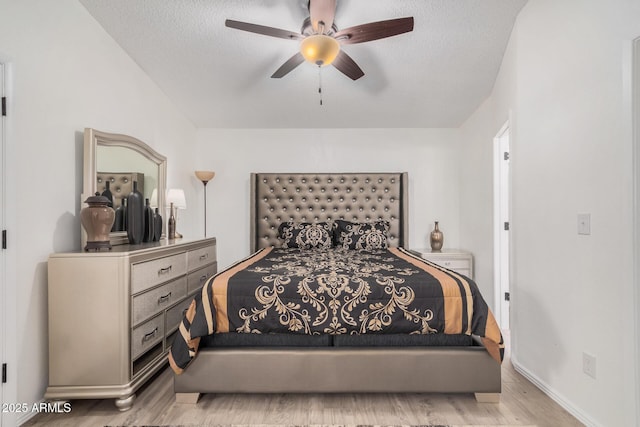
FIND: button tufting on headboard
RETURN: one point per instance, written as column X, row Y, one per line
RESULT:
column 354, row 196
column 120, row 184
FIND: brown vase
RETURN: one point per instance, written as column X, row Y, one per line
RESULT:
column 97, row 219
column 437, row 239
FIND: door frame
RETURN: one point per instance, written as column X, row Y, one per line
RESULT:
column 8, row 337
column 3, row 263
column 635, row 135
column 501, row 249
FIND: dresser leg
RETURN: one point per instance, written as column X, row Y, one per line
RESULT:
column 125, row 403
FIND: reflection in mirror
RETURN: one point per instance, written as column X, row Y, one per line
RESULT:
column 116, row 187
column 120, row 165
column 120, row 160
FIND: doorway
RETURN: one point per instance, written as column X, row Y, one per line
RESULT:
column 501, row 225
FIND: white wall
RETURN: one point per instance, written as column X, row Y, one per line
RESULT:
column 563, row 80
column 428, row 155
column 66, row 74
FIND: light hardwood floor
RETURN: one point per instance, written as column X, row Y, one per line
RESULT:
column 522, row 404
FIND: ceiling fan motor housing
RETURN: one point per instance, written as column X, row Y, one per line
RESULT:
column 307, row 28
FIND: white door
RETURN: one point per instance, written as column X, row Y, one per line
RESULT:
column 501, row 226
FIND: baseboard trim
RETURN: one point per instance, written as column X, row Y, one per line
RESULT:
column 26, row 416
column 554, row 395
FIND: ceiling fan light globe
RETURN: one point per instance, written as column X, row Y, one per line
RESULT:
column 320, row 49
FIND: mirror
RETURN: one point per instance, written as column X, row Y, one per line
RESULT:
column 124, row 158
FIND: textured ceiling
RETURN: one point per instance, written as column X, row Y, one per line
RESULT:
column 435, row 76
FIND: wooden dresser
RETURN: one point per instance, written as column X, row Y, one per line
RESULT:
column 454, row 259
column 113, row 314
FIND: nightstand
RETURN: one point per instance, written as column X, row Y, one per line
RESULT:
column 454, row 259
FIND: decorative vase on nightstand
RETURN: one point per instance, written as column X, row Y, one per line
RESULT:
column 436, row 238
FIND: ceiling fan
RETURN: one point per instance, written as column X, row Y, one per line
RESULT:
column 320, row 39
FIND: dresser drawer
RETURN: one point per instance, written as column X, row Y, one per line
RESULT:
column 155, row 300
column 196, row 279
column 198, row 258
column 147, row 335
column 454, row 259
column 150, row 273
column 175, row 315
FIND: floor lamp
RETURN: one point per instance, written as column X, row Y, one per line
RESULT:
column 205, row 177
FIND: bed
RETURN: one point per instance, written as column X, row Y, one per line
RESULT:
column 359, row 318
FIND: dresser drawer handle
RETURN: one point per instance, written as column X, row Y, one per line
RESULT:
column 203, row 278
column 164, row 270
column 150, row 335
column 203, row 257
column 164, row 298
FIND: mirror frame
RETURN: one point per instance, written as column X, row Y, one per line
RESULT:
column 92, row 139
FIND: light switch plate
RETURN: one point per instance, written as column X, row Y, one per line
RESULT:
column 584, row 224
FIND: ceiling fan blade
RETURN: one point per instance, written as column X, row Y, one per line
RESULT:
column 347, row 66
column 264, row 30
column 291, row 63
column 322, row 12
column 374, row 30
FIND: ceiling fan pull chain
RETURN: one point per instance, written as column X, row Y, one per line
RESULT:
column 320, row 83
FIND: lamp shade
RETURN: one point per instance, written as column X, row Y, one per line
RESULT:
column 205, row 176
column 153, row 202
column 176, row 196
column 319, row 49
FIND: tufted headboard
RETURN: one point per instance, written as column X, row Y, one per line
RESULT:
column 312, row 197
column 120, row 184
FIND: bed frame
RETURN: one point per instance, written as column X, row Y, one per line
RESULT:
column 317, row 197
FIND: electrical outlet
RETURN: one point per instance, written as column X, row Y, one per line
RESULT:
column 589, row 364
column 584, row 224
